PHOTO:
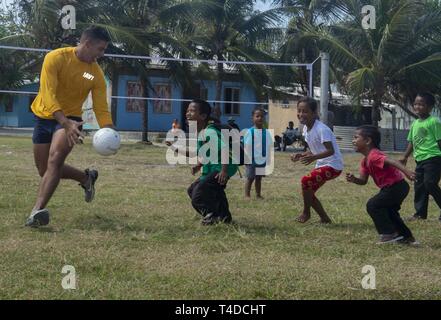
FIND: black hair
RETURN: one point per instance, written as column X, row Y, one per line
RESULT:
column 371, row 132
column 204, row 107
column 428, row 98
column 96, row 33
column 310, row 102
column 257, row 109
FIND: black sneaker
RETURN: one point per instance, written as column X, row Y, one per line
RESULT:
column 38, row 218
column 89, row 186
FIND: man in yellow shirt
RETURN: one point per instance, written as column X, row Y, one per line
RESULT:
column 67, row 77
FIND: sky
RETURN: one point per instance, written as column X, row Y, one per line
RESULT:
column 263, row 6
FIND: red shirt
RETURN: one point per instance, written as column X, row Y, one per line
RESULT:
column 373, row 165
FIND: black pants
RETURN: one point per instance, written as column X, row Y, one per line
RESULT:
column 384, row 209
column 208, row 196
column 428, row 174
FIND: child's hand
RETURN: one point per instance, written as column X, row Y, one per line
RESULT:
column 411, row 175
column 222, row 177
column 195, row 169
column 296, row 157
column 307, row 158
column 403, row 161
column 168, row 143
column 350, row 177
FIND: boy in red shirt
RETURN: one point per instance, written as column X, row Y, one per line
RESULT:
column 385, row 206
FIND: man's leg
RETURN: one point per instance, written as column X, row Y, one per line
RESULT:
column 58, row 151
column 41, row 156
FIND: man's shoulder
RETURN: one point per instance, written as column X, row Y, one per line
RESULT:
column 60, row 53
column 97, row 68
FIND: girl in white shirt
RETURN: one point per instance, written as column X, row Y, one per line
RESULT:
column 323, row 149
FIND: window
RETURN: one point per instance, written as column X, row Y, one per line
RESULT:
column 9, row 104
column 232, row 94
column 134, row 89
column 162, row 91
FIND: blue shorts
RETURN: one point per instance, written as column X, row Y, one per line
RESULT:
column 44, row 129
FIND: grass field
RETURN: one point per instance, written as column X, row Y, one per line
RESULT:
column 141, row 239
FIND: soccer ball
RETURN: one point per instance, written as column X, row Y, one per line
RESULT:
column 106, row 141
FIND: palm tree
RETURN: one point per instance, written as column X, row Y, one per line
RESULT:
column 390, row 63
column 133, row 25
column 227, row 30
column 12, row 67
column 298, row 49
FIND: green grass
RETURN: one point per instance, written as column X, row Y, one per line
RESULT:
column 141, row 239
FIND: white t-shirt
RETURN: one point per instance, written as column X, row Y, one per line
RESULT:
column 319, row 134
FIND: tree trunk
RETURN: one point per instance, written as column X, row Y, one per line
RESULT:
column 378, row 98
column 375, row 115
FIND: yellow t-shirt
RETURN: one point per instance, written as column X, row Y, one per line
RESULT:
column 65, row 83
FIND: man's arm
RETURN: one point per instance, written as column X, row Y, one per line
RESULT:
column 100, row 105
column 71, row 127
column 49, row 83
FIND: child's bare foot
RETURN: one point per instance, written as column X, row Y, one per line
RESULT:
column 260, row 197
column 247, row 197
column 303, row 218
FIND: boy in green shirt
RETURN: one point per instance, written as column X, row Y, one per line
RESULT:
column 207, row 193
column 425, row 142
